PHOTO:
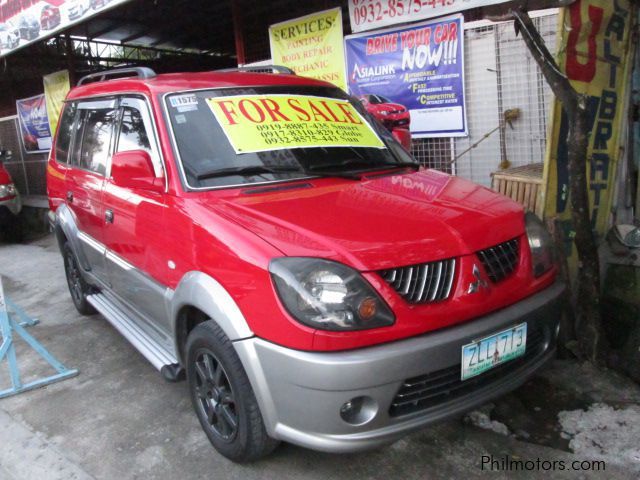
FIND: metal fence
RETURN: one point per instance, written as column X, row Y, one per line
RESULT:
column 500, row 76
column 28, row 170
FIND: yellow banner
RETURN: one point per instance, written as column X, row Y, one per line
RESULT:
column 56, row 87
column 257, row 123
column 311, row 46
column 594, row 53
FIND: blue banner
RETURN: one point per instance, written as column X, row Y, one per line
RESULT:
column 419, row 68
column 34, row 124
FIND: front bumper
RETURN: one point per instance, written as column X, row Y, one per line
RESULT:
column 300, row 393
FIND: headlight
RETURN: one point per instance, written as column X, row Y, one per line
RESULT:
column 328, row 295
column 383, row 112
column 540, row 243
column 7, row 190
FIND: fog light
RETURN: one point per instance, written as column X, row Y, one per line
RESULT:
column 359, row 410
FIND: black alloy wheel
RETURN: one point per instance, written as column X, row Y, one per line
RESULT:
column 215, row 396
column 222, row 396
column 78, row 287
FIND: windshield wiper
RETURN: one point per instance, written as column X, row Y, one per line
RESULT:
column 247, row 170
column 361, row 168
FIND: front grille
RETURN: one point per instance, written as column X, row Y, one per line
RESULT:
column 441, row 386
column 424, row 283
column 501, row 260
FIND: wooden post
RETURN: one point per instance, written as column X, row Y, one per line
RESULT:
column 70, row 54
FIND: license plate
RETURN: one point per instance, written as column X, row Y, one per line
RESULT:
column 484, row 354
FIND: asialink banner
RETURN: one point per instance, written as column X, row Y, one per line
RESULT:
column 420, row 67
column 34, row 124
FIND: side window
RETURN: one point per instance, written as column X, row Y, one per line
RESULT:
column 137, row 131
column 133, row 135
column 96, row 139
column 63, row 142
column 76, row 135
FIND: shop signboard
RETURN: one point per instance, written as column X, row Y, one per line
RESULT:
column 34, row 124
column 370, row 14
column 23, row 22
column 311, row 46
column 419, row 68
column 596, row 55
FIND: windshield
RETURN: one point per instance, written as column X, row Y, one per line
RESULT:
column 254, row 135
column 378, row 99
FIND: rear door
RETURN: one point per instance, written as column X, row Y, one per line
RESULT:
column 90, row 153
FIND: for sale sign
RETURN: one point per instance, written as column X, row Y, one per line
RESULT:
column 258, row 123
column 419, row 67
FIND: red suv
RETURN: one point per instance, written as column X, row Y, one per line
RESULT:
column 262, row 234
column 10, row 202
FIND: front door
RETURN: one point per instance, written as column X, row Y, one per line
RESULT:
column 134, row 228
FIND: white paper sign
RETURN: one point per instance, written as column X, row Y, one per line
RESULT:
column 370, row 14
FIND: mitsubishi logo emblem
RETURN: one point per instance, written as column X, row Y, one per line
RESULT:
column 479, row 283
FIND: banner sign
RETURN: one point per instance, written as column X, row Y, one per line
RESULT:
column 420, row 67
column 370, row 14
column 56, row 87
column 34, row 124
column 257, row 123
column 311, row 46
column 25, row 21
column 595, row 53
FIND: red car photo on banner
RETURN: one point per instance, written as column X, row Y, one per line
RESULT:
column 392, row 115
column 25, row 22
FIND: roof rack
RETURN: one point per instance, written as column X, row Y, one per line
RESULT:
column 140, row 72
column 260, row 69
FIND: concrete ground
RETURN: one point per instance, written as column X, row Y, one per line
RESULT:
column 118, row 419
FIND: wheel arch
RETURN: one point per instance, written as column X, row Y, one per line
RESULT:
column 198, row 298
column 67, row 230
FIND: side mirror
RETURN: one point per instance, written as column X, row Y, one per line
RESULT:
column 403, row 136
column 5, row 155
column 134, row 169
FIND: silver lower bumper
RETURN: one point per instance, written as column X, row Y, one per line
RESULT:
column 300, row 393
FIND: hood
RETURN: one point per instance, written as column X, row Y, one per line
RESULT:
column 380, row 222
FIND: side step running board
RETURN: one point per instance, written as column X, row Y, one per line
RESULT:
column 160, row 357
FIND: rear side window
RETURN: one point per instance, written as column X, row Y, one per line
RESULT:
column 64, row 132
column 96, row 139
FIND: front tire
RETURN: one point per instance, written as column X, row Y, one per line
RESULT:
column 222, row 396
column 78, row 287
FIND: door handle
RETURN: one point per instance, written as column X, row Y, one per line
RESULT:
column 70, row 197
column 108, row 216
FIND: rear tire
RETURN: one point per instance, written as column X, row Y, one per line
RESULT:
column 78, row 287
column 222, row 396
